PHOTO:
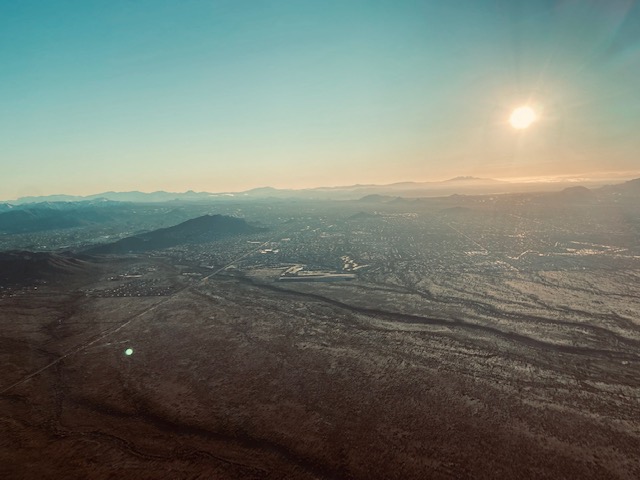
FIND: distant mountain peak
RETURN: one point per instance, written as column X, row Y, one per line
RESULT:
column 469, row 178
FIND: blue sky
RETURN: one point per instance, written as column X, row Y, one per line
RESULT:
column 226, row 95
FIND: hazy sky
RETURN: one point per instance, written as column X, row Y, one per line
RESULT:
column 226, row 95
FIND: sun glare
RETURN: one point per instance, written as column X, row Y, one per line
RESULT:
column 522, row 117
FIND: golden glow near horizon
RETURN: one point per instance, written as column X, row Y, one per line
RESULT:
column 522, row 117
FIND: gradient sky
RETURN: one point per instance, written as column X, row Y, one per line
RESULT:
column 227, row 95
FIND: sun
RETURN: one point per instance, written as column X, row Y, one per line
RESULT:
column 522, row 117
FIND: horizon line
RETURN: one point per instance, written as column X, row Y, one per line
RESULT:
column 598, row 177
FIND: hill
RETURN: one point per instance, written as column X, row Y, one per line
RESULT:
column 207, row 228
column 56, row 215
column 567, row 196
column 21, row 267
column 34, row 220
column 626, row 189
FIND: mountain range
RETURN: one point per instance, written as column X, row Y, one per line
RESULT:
column 467, row 185
column 25, row 218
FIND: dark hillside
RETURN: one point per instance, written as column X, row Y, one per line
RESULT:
column 207, row 228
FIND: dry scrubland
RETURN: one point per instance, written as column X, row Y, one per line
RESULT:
column 240, row 376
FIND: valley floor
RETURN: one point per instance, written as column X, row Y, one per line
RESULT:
column 239, row 376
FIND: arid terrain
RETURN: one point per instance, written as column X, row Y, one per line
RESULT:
column 389, row 338
column 233, row 374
